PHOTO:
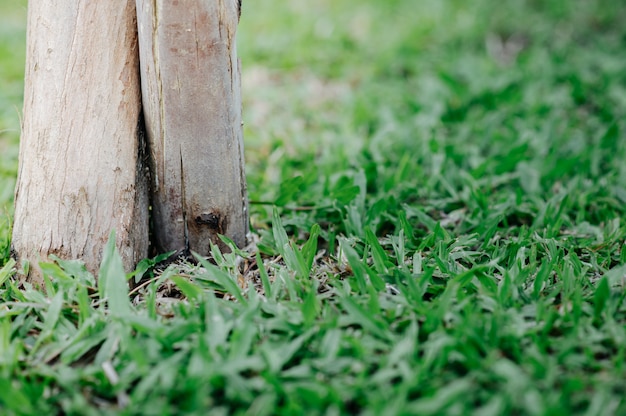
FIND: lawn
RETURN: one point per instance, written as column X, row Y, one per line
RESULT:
column 438, row 206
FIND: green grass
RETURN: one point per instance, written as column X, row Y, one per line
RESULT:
column 439, row 208
column 12, row 55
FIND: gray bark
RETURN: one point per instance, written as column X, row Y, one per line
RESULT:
column 192, row 106
column 80, row 175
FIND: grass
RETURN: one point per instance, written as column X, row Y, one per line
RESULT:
column 12, row 55
column 439, row 213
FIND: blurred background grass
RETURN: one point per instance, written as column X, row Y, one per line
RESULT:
column 422, row 94
column 12, row 53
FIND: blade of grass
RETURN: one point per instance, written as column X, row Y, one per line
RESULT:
column 223, row 279
column 7, row 271
column 112, row 282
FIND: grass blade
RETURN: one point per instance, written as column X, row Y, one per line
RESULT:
column 112, row 282
column 222, row 278
column 7, row 271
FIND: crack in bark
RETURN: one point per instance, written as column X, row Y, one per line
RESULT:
column 184, row 201
column 159, row 81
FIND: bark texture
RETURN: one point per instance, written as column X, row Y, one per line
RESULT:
column 192, row 105
column 80, row 174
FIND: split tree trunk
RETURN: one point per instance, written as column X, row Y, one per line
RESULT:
column 82, row 170
column 192, row 106
column 80, row 175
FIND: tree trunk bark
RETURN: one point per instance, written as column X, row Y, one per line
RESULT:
column 192, row 105
column 80, row 173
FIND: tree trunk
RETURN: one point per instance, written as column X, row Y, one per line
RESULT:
column 192, row 106
column 80, row 174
